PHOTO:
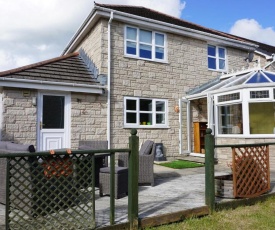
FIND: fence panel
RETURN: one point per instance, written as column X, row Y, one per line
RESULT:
column 251, row 171
column 53, row 191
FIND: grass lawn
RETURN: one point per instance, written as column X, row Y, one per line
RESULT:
column 181, row 164
column 258, row 216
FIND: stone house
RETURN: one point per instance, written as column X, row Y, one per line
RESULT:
column 147, row 70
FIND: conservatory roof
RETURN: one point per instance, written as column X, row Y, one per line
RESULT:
column 243, row 79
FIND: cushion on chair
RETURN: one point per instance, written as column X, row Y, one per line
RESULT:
column 17, row 147
column 146, row 148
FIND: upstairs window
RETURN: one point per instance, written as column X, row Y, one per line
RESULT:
column 216, row 58
column 144, row 44
column 145, row 112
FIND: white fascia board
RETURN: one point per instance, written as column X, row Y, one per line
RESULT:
column 195, row 96
column 45, row 85
column 154, row 24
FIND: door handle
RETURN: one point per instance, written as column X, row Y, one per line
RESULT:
column 41, row 125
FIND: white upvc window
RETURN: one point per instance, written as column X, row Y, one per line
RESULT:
column 248, row 112
column 145, row 113
column 217, row 58
column 144, row 44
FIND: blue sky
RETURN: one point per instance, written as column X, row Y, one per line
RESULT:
column 36, row 30
column 222, row 15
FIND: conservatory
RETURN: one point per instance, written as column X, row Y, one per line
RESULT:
column 239, row 105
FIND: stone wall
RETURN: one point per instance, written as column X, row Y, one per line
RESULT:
column 88, row 118
column 19, row 116
column 185, row 69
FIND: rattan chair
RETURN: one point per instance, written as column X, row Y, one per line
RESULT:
column 121, row 181
column 100, row 160
column 146, row 162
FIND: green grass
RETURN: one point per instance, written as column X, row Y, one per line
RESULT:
column 181, row 164
column 258, row 216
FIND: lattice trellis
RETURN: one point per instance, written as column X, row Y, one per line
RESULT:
column 251, row 172
column 53, row 192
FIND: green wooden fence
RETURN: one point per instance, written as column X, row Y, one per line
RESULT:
column 57, row 191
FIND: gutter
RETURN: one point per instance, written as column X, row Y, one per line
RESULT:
column 109, row 82
column 14, row 82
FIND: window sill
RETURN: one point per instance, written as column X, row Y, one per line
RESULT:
column 145, row 127
column 145, row 59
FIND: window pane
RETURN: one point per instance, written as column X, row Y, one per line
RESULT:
column 131, row 104
column 145, row 51
column 131, row 118
column 159, row 39
column 131, row 48
column 229, row 97
column 145, row 118
column 145, row 105
column 145, row 36
column 131, row 33
column 221, row 64
column 53, row 112
column 160, row 118
column 261, row 117
column 211, row 51
column 211, row 63
column 259, row 94
column 221, row 53
column 160, row 106
column 230, row 119
column 159, row 53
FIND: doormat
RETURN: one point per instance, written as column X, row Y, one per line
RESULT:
column 181, row 164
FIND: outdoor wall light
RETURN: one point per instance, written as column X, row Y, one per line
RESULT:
column 177, row 109
column 34, row 102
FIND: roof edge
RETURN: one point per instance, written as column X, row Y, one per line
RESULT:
column 37, row 64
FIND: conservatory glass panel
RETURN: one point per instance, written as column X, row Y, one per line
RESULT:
column 261, row 117
column 230, row 119
column 257, row 78
column 270, row 76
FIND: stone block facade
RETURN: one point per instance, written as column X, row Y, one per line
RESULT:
column 18, row 116
column 185, row 69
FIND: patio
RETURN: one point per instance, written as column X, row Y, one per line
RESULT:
column 175, row 190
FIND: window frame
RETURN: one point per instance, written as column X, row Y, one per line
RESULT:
column 245, row 100
column 138, row 43
column 217, row 58
column 137, row 111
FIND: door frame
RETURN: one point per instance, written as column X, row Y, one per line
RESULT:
column 185, row 149
column 67, row 117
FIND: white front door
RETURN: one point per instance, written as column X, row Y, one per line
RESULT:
column 54, row 121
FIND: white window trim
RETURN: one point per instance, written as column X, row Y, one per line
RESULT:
column 154, row 112
column 244, row 100
column 137, row 56
column 217, row 58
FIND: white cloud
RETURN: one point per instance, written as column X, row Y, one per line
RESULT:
column 251, row 29
column 33, row 31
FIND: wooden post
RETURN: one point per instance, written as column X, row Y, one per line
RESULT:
column 209, row 171
column 133, row 172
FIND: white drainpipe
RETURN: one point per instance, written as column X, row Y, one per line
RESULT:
column 109, row 83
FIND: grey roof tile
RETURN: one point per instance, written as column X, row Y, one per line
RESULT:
column 68, row 69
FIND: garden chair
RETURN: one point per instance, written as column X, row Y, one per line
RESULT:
column 146, row 162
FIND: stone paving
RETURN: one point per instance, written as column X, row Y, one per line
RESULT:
column 174, row 190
